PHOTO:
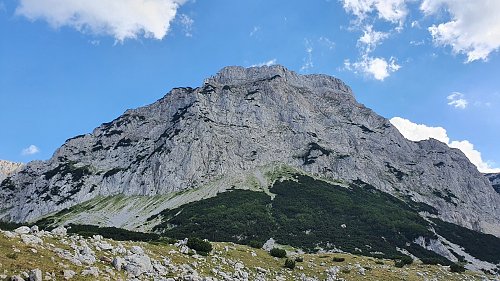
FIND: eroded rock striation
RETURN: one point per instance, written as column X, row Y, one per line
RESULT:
column 495, row 180
column 241, row 119
column 7, row 168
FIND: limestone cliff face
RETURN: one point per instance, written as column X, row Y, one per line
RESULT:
column 240, row 119
column 495, row 180
column 7, row 168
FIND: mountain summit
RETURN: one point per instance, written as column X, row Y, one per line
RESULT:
column 228, row 132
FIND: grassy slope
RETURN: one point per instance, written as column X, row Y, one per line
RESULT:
column 313, row 265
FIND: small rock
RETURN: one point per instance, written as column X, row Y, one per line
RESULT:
column 9, row 235
column 94, row 271
column 35, row 275
column 34, row 229
column 31, row 239
column 118, row 263
column 16, row 278
column 68, row 274
column 105, row 246
column 106, row 259
column 137, row 250
column 59, row 231
column 22, row 230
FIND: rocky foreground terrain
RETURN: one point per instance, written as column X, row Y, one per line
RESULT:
column 29, row 254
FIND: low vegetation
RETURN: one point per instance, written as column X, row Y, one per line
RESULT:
column 278, row 253
column 305, row 213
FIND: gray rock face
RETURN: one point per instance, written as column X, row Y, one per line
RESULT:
column 7, row 168
column 495, row 181
column 241, row 119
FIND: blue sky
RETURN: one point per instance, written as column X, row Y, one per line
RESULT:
column 67, row 66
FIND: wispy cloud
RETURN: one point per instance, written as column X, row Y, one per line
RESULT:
column 30, row 150
column 308, row 59
column 120, row 19
column 394, row 11
column 254, row 31
column 187, row 24
column 265, row 63
column 457, row 100
column 418, row 132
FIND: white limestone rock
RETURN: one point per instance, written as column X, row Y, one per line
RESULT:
column 35, row 275
column 22, row 230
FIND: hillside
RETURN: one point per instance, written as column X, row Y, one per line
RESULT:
column 59, row 256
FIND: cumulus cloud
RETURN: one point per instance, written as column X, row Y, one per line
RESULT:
column 394, row 11
column 30, row 150
column 265, row 63
column 457, row 100
column 377, row 68
column 474, row 27
column 418, row 132
column 121, row 19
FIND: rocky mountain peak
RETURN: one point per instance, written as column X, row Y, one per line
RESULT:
column 237, row 75
column 242, row 121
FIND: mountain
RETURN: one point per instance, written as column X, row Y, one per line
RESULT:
column 259, row 133
column 495, row 180
column 7, row 168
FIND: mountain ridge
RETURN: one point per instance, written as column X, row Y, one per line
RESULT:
column 242, row 119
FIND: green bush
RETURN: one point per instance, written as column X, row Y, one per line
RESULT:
column 279, row 253
column 299, row 259
column 379, row 262
column 290, row 264
column 255, row 244
column 199, row 245
column 12, row 256
column 338, row 259
column 454, row 267
column 402, row 261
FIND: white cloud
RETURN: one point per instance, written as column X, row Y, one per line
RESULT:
column 457, row 100
column 371, row 38
column 418, row 132
column 266, row 63
column 121, row 19
column 377, row 68
column 30, row 150
column 474, row 27
column 394, row 11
